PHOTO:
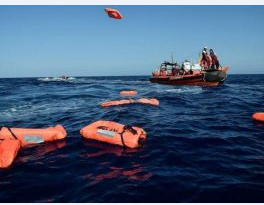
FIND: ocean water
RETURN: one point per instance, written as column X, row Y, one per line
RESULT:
column 202, row 145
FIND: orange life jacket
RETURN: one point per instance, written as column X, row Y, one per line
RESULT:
column 151, row 101
column 259, row 116
column 114, row 133
column 8, row 151
column 128, row 92
column 33, row 136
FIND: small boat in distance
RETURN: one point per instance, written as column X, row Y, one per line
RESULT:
column 61, row 78
column 173, row 74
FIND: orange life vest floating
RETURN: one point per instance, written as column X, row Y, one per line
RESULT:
column 128, row 92
column 8, row 151
column 116, row 102
column 114, row 133
column 33, row 136
column 113, row 13
column 151, row 101
column 259, row 116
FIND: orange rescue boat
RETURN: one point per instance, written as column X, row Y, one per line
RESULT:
column 171, row 74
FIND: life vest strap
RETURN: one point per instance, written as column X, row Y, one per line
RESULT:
column 12, row 133
column 130, row 128
column 127, row 128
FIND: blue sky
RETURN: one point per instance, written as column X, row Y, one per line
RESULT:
column 83, row 41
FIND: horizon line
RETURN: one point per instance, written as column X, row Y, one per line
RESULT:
column 116, row 76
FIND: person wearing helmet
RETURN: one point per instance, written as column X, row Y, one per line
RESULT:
column 205, row 49
column 215, row 61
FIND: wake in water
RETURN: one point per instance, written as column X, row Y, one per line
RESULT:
column 182, row 89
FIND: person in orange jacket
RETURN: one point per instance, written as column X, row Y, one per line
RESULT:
column 206, row 59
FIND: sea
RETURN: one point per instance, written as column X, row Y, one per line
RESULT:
column 202, row 145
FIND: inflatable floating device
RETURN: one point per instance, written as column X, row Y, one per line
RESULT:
column 116, row 102
column 128, row 92
column 114, row 133
column 113, row 13
column 8, row 151
column 11, row 140
column 259, row 116
column 151, row 101
column 33, row 136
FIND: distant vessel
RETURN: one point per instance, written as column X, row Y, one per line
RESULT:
column 173, row 74
column 61, row 78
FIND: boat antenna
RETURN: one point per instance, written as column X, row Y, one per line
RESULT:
column 172, row 57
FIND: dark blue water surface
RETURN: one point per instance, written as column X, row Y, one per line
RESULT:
column 202, row 145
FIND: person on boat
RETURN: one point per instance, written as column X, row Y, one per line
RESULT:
column 173, row 70
column 182, row 70
column 215, row 61
column 190, row 72
column 163, row 71
column 178, row 68
column 206, row 59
